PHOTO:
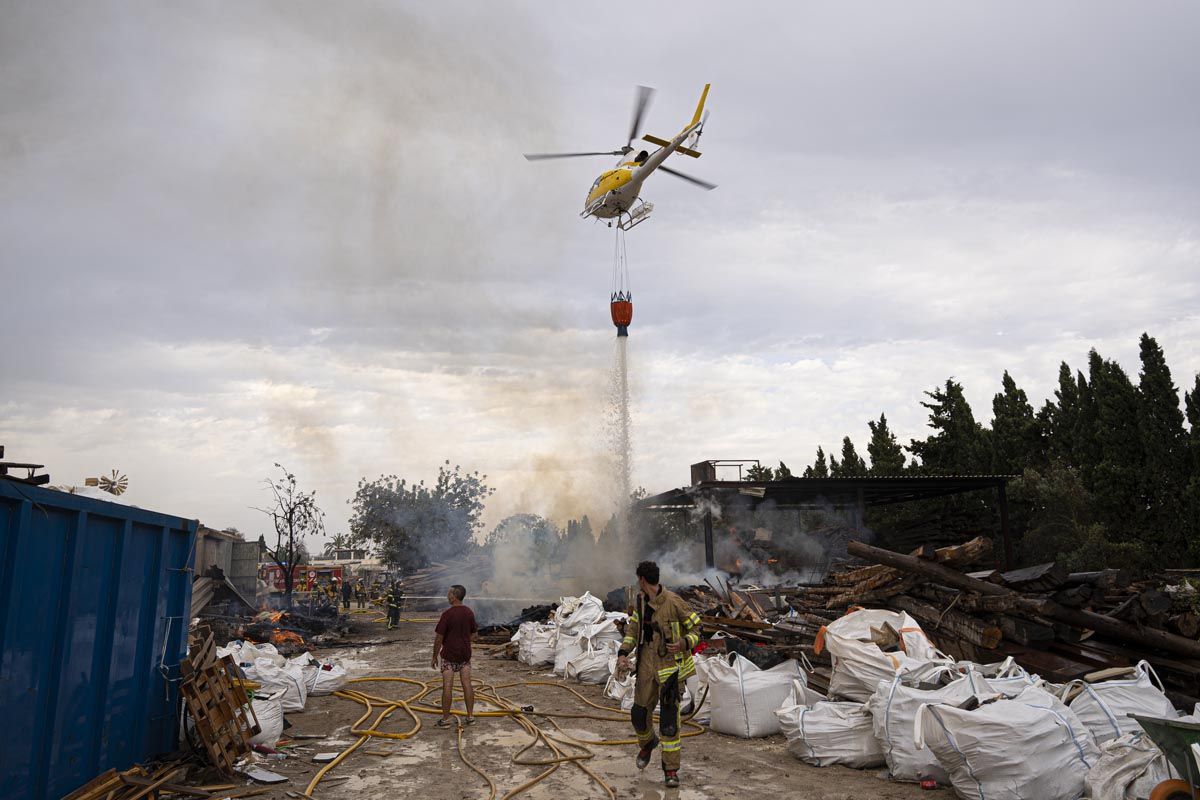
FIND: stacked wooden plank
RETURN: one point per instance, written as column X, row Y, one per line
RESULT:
column 435, row 579
column 165, row 780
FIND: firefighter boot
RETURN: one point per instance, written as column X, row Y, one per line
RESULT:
column 643, row 756
column 671, row 778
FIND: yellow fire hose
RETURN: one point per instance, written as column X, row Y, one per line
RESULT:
column 557, row 744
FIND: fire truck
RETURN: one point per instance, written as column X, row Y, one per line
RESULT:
column 303, row 575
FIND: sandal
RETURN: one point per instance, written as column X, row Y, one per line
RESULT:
column 470, row 720
column 443, row 723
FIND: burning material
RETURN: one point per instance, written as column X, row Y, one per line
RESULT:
column 282, row 638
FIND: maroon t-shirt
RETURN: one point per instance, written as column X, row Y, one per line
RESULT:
column 456, row 626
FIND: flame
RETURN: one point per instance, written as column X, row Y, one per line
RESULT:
column 276, row 616
column 286, row 637
column 772, row 560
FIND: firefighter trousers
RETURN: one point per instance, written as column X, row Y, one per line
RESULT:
column 662, row 688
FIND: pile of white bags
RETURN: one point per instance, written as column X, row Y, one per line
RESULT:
column 821, row 732
column 1129, row 768
column 587, row 644
column 269, row 711
column 536, row 643
column 1005, row 677
column 592, row 664
column 1104, row 707
column 744, row 698
column 290, row 682
column 247, row 653
column 574, row 613
column 893, row 709
column 1031, row 746
column 858, row 663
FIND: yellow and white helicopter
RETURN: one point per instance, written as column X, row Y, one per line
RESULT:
column 615, row 193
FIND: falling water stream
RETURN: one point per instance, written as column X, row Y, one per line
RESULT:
column 619, row 434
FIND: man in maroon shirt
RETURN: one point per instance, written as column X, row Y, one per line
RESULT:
column 452, row 645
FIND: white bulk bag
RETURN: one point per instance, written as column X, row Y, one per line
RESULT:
column 575, row 612
column 1104, row 707
column 327, row 681
column 893, row 709
column 567, row 647
column 744, row 697
column 291, row 681
column 822, row 733
column 1006, row 677
column 538, row 644
column 244, row 652
column 591, row 666
column 858, row 663
column 621, row 689
column 1129, row 768
column 269, row 711
column 1028, row 747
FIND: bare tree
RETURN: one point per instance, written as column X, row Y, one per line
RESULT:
column 296, row 516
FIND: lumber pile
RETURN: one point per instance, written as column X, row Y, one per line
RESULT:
column 1061, row 625
column 439, row 576
column 165, row 780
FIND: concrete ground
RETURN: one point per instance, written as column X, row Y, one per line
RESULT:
column 428, row 764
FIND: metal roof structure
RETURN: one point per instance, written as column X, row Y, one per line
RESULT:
column 859, row 492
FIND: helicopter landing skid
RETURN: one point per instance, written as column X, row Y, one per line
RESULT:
column 636, row 216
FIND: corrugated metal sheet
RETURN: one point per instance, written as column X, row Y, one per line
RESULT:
column 94, row 599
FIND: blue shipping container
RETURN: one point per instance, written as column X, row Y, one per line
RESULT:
column 94, row 601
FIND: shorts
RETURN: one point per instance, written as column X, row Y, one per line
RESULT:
column 454, row 666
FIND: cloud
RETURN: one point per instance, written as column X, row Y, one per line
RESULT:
column 303, row 233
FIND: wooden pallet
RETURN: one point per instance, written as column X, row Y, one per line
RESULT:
column 224, row 718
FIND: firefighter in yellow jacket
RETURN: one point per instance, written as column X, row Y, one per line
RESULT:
column 661, row 634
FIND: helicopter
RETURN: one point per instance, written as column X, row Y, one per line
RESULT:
column 614, row 195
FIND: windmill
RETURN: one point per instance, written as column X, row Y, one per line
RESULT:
column 114, row 484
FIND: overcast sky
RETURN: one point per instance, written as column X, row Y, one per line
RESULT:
column 241, row 233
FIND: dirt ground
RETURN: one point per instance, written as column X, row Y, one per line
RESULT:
column 428, row 765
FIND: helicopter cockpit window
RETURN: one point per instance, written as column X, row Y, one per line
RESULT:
column 597, row 183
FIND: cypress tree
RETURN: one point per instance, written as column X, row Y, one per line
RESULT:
column 1060, row 418
column 819, row 469
column 1117, row 474
column 1191, row 403
column 1085, row 444
column 958, row 445
column 782, row 471
column 1016, row 435
column 1164, row 443
column 852, row 463
column 887, row 456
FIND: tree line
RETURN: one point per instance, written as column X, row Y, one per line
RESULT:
column 1108, row 469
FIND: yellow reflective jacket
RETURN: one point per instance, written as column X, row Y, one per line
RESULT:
column 672, row 620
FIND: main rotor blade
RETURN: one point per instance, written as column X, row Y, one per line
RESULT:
column 641, row 100
column 702, row 184
column 545, row 156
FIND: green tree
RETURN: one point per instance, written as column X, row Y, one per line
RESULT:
column 1059, row 417
column 851, row 464
column 820, row 467
column 1085, row 443
column 414, row 524
column 958, row 445
column 1191, row 402
column 887, row 456
column 1164, row 445
column 534, row 540
column 1062, row 524
column 1117, row 475
column 1016, row 435
column 758, row 473
column 782, row 471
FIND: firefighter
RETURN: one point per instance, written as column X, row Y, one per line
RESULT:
column 360, row 593
column 394, row 598
column 661, row 634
